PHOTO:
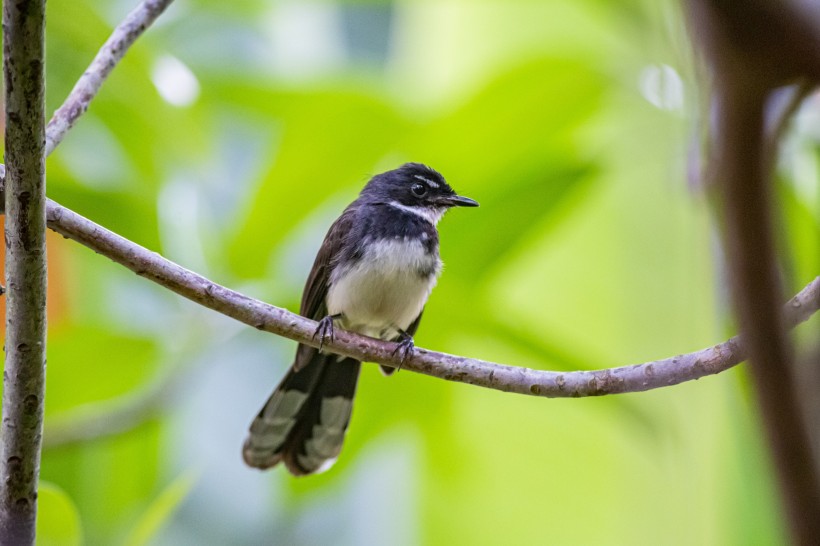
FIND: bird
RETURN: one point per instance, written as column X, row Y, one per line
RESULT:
column 372, row 275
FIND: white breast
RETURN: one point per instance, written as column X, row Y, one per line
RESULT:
column 386, row 289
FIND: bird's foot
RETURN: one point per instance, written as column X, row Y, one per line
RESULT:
column 325, row 330
column 404, row 348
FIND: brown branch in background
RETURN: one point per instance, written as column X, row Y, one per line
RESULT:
column 744, row 187
column 808, row 385
column 752, row 48
column 107, row 58
column 641, row 377
column 25, row 233
column 772, row 42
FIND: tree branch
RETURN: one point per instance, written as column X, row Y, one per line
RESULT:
column 266, row 317
column 107, row 58
column 641, row 377
column 25, row 227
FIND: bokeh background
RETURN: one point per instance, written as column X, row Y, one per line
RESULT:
column 231, row 137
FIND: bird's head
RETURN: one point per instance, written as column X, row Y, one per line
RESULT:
column 416, row 187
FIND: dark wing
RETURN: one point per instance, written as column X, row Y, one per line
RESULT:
column 313, row 297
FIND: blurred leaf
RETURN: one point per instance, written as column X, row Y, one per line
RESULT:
column 88, row 360
column 162, row 508
column 75, row 33
column 129, row 463
column 800, row 237
column 535, row 192
column 511, row 147
column 311, row 163
column 58, row 522
column 113, row 209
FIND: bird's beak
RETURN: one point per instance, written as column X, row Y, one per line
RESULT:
column 459, row 201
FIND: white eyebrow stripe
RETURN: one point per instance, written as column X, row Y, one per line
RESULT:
column 429, row 182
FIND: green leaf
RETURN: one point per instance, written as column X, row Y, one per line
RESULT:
column 162, row 508
column 313, row 163
column 89, row 377
column 58, row 521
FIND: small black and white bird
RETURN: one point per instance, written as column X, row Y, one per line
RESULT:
column 372, row 275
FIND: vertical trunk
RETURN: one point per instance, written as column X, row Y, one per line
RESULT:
column 24, row 374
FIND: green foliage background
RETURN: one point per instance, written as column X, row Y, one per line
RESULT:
column 590, row 249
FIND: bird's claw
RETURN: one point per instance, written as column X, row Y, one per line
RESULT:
column 404, row 348
column 325, row 331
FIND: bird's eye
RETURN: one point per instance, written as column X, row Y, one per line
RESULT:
column 419, row 190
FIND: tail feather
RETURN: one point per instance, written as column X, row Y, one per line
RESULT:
column 304, row 421
column 316, row 440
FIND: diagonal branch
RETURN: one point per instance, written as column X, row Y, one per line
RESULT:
column 107, row 58
column 640, row 377
column 25, row 233
column 634, row 378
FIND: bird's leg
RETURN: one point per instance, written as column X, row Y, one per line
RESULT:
column 325, row 330
column 405, row 347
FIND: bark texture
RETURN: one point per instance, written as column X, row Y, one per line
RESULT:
column 24, row 374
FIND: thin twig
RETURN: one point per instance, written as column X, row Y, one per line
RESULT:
column 25, row 232
column 107, row 58
column 641, row 377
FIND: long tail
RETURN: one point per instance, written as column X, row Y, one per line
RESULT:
column 304, row 421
